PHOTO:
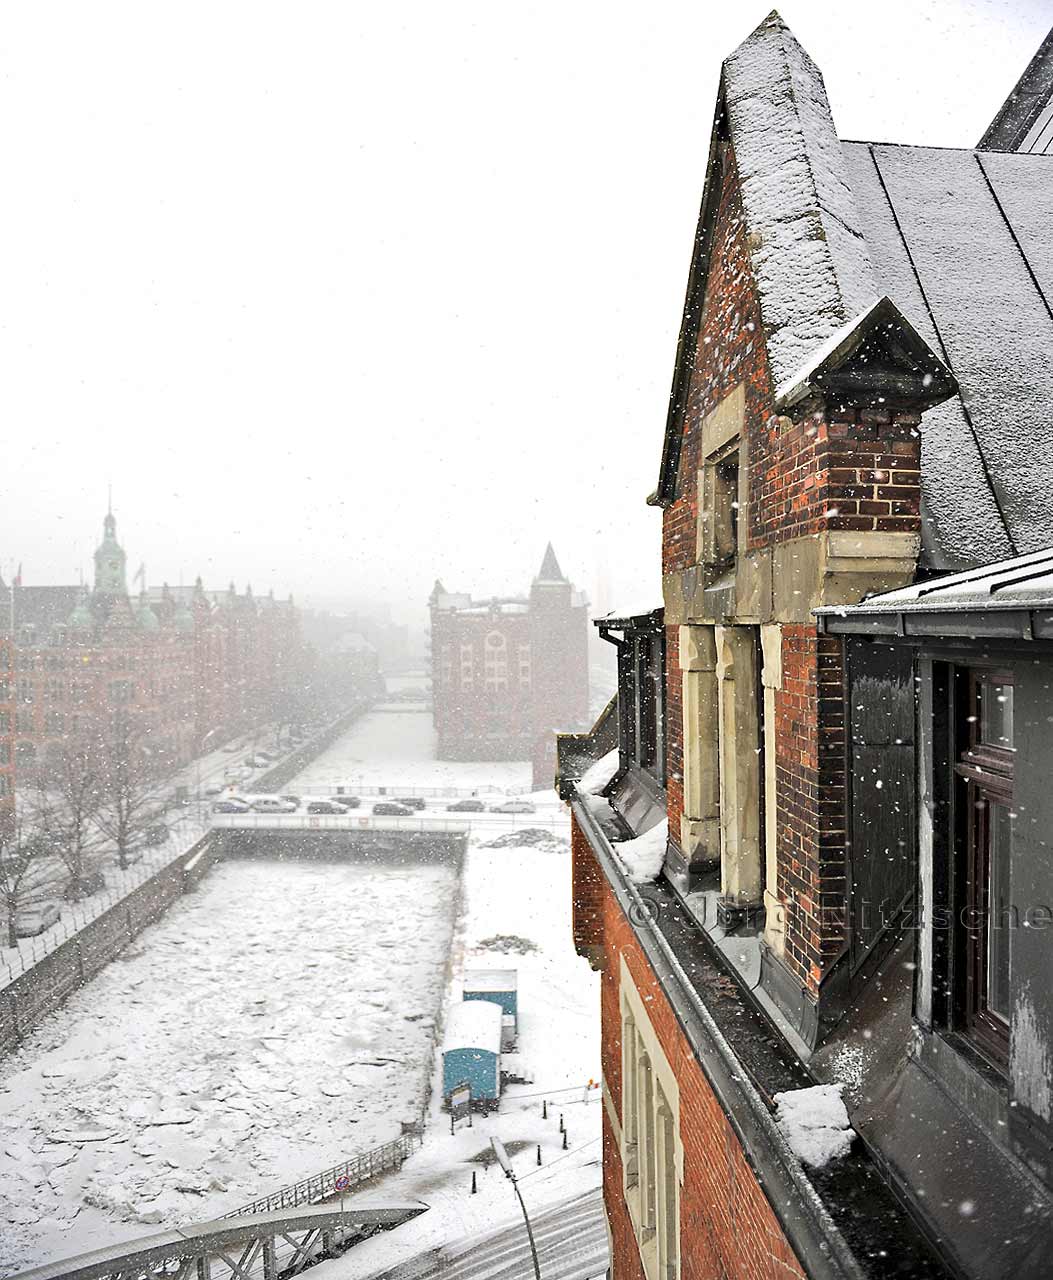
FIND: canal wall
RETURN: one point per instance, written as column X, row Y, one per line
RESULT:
column 53, row 979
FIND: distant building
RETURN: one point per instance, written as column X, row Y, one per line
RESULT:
column 507, row 672
column 185, row 662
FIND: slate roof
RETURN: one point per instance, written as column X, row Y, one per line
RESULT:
column 1025, row 120
column 961, row 241
column 964, row 243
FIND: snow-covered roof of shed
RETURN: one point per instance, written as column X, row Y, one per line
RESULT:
column 490, row 980
column 808, row 248
column 964, row 240
column 473, row 1024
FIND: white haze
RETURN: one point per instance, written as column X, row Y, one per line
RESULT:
column 344, row 297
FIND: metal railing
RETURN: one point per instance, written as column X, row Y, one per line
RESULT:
column 321, row 1186
column 190, row 827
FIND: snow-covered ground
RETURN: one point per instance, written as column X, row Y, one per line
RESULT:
column 397, row 748
column 520, row 894
column 275, row 1022
column 278, row 1020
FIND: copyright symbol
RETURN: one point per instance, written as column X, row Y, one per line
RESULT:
column 646, row 911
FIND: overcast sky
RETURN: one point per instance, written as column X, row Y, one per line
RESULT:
column 346, row 297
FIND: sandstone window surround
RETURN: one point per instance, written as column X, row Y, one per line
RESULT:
column 771, row 682
column 722, row 484
column 741, row 876
column 700, row 822
column 651, row 1150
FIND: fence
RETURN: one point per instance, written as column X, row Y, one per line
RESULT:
column 190, row 828
column 320, row 1186
column 65, row 968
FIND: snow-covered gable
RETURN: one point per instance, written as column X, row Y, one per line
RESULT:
column 805, row 234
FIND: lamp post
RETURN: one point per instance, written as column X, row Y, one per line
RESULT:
column 506, row 1165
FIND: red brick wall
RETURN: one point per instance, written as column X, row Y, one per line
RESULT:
column 729, row 349
column 587, row 884
column 728, row 1229
column 810, row 785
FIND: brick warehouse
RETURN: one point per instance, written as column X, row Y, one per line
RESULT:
column 847, row 417
column 188, row 663
column 506, row 674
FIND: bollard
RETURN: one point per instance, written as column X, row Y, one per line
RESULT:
column 539, row 1153
column 564, row 1139
column 544, row 1109
column 474, row 1187
column 562, row 1126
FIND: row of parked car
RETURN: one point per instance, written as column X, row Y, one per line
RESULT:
column 396, row 807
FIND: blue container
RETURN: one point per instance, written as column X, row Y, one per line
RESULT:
column 500, row 986
column 471, row 1051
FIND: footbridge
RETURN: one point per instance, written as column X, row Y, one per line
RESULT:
column 259, row 1246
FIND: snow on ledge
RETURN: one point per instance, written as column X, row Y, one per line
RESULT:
column 598, row 775
column 643, row 857
column 815, row 1123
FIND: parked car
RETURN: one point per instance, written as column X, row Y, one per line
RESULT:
column 392, row 809
column 154, row 835
column 296, row 800
column 214, row 789
column 33, row 920
column 349, row 802
column 412, row 802
column 232, row 804
column 466, row 806
column 514, row 806
column 272, row 804
column 85, row 885
column 325, row 806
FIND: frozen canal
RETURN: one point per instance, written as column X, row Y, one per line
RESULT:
column 274, row 1022
column 397, row 747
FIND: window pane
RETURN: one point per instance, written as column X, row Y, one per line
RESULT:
column 998, row 920
column 996, row 714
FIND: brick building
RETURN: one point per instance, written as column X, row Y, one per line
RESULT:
column 184, row 662
column 859, row 403
column 507, row 673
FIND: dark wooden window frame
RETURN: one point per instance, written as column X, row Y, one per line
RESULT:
column 984, row 776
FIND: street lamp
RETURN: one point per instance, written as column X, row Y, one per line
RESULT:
column 506, row 1165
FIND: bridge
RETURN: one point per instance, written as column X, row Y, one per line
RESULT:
column 260, row 1246
column 422, row 822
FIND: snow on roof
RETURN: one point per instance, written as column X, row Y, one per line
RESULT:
column 473, row 1024
column 490, row 980
column 807, row 242
column 644, row 855
column 1024, row 582
column 965, row 249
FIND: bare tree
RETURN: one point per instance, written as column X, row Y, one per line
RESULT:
column 29, row 875
column 130, row 775
column 67, row 804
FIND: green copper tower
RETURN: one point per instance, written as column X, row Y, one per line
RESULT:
column 110, row 561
